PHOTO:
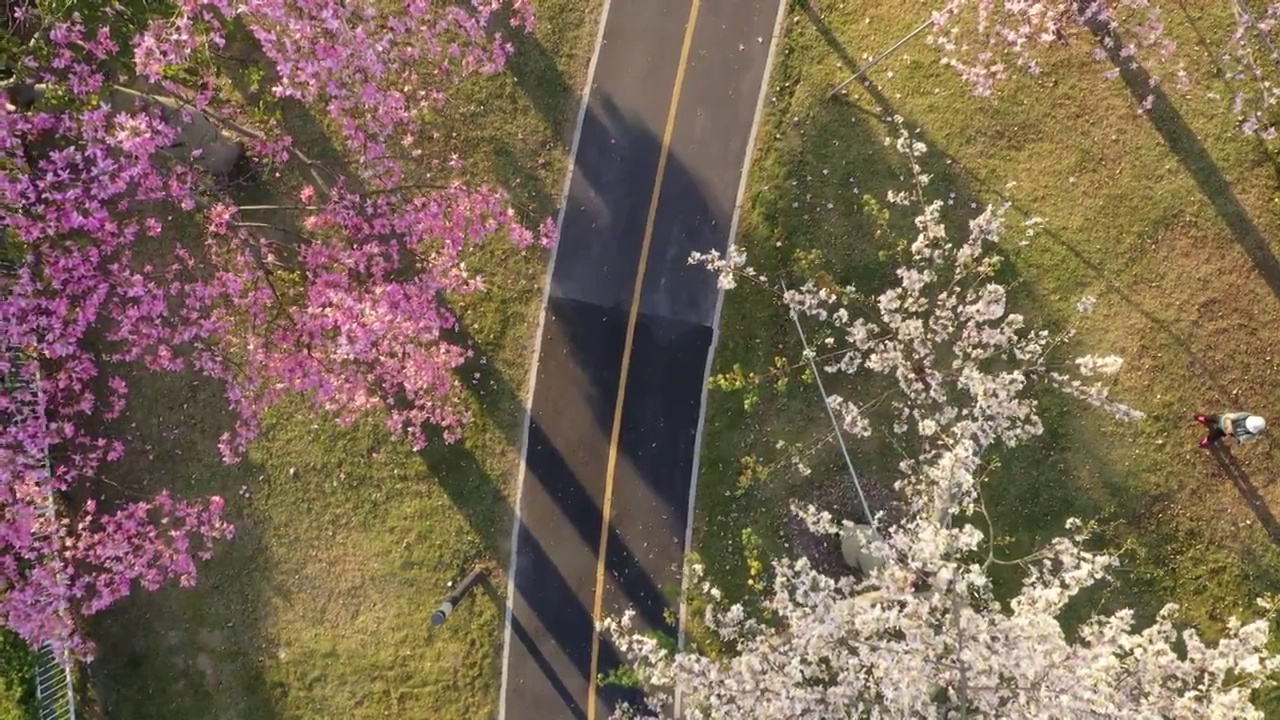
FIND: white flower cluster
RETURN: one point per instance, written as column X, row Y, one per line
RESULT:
column 850, row 415
column 1094, row 365
column 962, row 364
column 983, row 39
column 727, row 269
column 923, row 635
column 820, row 522
column 1095, row 395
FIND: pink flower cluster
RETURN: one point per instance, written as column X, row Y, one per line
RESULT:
column 349, row 312
column 376, row 73
column 365, row 329
column 53, row 569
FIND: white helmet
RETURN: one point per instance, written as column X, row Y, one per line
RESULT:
column 1255, row 424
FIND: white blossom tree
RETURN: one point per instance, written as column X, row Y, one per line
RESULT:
column 924, row 634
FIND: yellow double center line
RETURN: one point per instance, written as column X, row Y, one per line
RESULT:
column 611, row 468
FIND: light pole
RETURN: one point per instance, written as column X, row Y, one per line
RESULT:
column 443, row 612
column 876, row 61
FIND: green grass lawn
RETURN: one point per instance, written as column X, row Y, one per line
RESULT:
column 1165, row 218
column 346, row 539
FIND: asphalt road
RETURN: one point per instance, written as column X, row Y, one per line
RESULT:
column 548, row 660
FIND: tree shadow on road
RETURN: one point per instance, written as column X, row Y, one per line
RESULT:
column 592, row 291
column 472, row 472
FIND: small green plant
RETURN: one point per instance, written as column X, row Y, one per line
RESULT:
column 751, row 470
column 877, row 214
column 738, row 380
column 17, row 678
column 807, row 377
column 780, row 373
column 624, row 676
column 810, row 263
column 753, row 552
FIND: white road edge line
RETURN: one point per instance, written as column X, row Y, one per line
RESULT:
column 537, row 352
column 715, row 321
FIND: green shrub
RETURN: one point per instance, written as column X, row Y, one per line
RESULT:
column 17, row 678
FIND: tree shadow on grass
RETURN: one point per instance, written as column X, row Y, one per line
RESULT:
column 1192, row 155
column 1181, row 141
column 477, row 493
column 178, row 652
column 1215, row 56
column 1037, row 486
column 538, row 76
column 199, row 652
column 815, row 216
column 196, row 653
column 1132, row 510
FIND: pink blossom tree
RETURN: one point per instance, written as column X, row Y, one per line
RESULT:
column 107, row 163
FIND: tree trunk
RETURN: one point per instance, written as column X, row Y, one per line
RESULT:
column 220, row 151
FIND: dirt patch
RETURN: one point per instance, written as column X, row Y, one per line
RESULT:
column 837, row 495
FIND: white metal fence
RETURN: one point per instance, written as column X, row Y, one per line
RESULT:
column 55, row 676
column 55, row 687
